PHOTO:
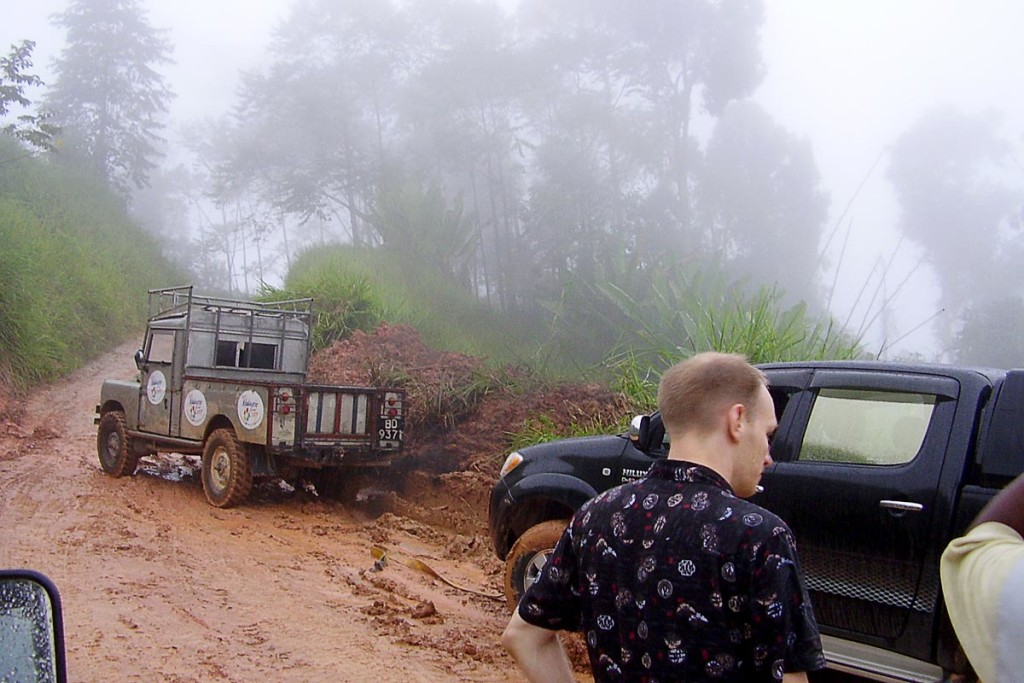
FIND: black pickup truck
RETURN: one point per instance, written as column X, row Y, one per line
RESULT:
column 877, row 466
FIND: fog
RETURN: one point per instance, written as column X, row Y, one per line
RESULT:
column 849, row 78
column 853, row 76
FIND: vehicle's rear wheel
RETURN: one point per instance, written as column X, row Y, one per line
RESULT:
column 114, row 447
column 227, row 479
column 528, row 556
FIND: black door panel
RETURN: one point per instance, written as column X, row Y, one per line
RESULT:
column 856, row 481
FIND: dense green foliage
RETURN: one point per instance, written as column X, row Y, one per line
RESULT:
column 344, row 303
column 356, row 288
column 563, row 162
column 73, row 269
column 541, row 428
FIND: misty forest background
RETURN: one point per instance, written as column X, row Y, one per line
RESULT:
column 581, row 186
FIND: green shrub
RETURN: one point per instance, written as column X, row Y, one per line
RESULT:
column 342, row 303
column 542, row 428
column 447, row 317
column 685, row 316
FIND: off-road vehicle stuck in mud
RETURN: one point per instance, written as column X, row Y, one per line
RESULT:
column 226, row 379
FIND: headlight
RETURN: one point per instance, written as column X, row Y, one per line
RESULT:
column 513, row 461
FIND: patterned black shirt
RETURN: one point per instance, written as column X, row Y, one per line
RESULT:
column 674, row 578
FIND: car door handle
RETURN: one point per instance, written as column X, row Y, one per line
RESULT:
column 901, row 505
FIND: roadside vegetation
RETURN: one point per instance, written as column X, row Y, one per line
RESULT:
column 74, row 269
column 590, row 334
column 358, row 288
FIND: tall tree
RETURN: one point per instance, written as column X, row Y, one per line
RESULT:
column 459, row 115
column 992, row 333
column 630, row 79
column 686, row 58
column 319, row 119
column 107, row 96
column 418, row 224
column 760, row 205
column 959, row 202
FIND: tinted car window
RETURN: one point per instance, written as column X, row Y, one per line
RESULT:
column 866, row 427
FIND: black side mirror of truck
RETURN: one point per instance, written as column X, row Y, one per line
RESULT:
column 138, row 359
column 31, row 628
column 640, row 432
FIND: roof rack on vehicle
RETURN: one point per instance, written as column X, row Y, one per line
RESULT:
column 176, row 301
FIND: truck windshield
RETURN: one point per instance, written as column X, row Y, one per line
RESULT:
column 161, row 347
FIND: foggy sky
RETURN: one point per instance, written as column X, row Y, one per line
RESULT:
column 853, row 76
column 849, row 76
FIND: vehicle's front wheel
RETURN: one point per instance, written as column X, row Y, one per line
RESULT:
column 528, row 556
column 227, row 478
column 114, row 447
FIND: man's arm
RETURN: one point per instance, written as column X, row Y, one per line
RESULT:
column 800, row 677
column 1006, row 508
column 537, row 651
column 979, row 572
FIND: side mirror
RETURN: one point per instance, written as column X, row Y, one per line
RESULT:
column 31, row 629
column 138, row 359
column 640, row 431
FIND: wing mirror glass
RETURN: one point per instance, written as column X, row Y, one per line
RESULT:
column 640, row 431
column 138, row 359
column 31, row 629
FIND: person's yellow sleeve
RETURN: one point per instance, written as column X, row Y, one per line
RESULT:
column 982, row 576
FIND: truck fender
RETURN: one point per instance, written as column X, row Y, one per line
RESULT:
column 564, row 488
column 539, row 498
column 219, row 421
column 123, row 396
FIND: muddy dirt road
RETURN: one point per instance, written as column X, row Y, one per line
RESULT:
column 159, row 586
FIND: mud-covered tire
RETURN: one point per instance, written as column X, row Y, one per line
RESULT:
column 114, row 447
column 227, row 478
column 528, row 555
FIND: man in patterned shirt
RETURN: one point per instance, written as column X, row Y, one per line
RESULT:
column 675, row 577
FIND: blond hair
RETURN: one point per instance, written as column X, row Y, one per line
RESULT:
column 693, row 393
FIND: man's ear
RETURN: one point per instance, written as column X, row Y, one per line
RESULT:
column 735, row 420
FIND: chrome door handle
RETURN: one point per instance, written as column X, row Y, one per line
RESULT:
column 901, row 505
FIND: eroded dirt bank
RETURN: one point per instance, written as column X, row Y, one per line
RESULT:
column 158, row 585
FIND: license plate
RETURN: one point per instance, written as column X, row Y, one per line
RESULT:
column 390, row 431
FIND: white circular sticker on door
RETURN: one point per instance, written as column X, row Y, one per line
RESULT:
column 195, row 407
column 250, row 409
column 156, row 387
